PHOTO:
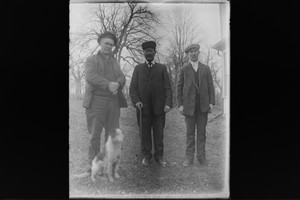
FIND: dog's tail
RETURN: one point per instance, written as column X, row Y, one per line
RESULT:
column 83, row 175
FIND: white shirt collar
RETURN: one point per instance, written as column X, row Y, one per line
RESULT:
column 194, row 65
column 153, row 63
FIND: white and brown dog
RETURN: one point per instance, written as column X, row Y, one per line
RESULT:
column 107, row 161
column 99, row 164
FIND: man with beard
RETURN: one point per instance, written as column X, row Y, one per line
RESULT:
column 150, row 92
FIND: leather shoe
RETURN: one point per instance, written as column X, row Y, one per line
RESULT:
column 161, row 161
column 187, row 162
column 145, row 161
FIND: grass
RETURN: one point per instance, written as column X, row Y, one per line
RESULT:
column 153, row 181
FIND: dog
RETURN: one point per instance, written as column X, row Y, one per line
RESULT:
column 113, row 153
column 108, row 160
column 99, row 164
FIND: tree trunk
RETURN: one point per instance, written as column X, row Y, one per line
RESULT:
column 78, row 92
column 173, row 86
column 176, row 74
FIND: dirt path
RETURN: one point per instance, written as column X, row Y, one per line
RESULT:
column 152, row 181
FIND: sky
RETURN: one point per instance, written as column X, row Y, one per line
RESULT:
column 205, row 16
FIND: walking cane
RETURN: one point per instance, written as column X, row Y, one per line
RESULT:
column 141, row 131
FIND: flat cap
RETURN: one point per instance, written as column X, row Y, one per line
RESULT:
column 192, row 46
column 149, row 44
column 108, row 34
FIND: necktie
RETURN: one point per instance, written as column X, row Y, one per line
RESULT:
column 150, row 64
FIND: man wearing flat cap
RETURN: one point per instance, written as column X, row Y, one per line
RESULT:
column 103, row 96
column 195, row 98
column 150, row 92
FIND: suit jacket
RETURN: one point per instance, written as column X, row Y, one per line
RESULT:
column 186, row 89
column 93, row 76
column 151, row 86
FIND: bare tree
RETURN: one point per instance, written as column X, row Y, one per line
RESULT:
column 130, row 22
column 182, row 32
column 77, row 58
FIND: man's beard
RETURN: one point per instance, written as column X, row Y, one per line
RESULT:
column 149, row 59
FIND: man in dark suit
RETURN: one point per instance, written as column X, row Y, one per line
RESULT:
column 150, row 92
column 103, row 93
column 196, row 97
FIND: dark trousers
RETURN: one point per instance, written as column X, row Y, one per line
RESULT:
column 157, row 124
column 102, row 113
column 199, row 120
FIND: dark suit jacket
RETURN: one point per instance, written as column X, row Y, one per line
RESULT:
column 151, row 86
column 94, row 79
column 186, row 89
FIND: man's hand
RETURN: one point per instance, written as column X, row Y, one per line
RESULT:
column 167, row 109
column 181, row 110
column 113, row 87
column 210, row 108
column 139, row 105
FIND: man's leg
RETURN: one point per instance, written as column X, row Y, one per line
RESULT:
column 113, row 117
column 94, row 147
column 201, row 136
column 96, row 116
column 146, row 134
column 89, row 120
column 190, row 122
column 158, row 135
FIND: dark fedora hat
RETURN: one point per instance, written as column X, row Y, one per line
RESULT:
column 149, row 44
column 192, row 46
column 108, row 34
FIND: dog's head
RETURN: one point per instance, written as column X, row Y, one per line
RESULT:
column 117, row 135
